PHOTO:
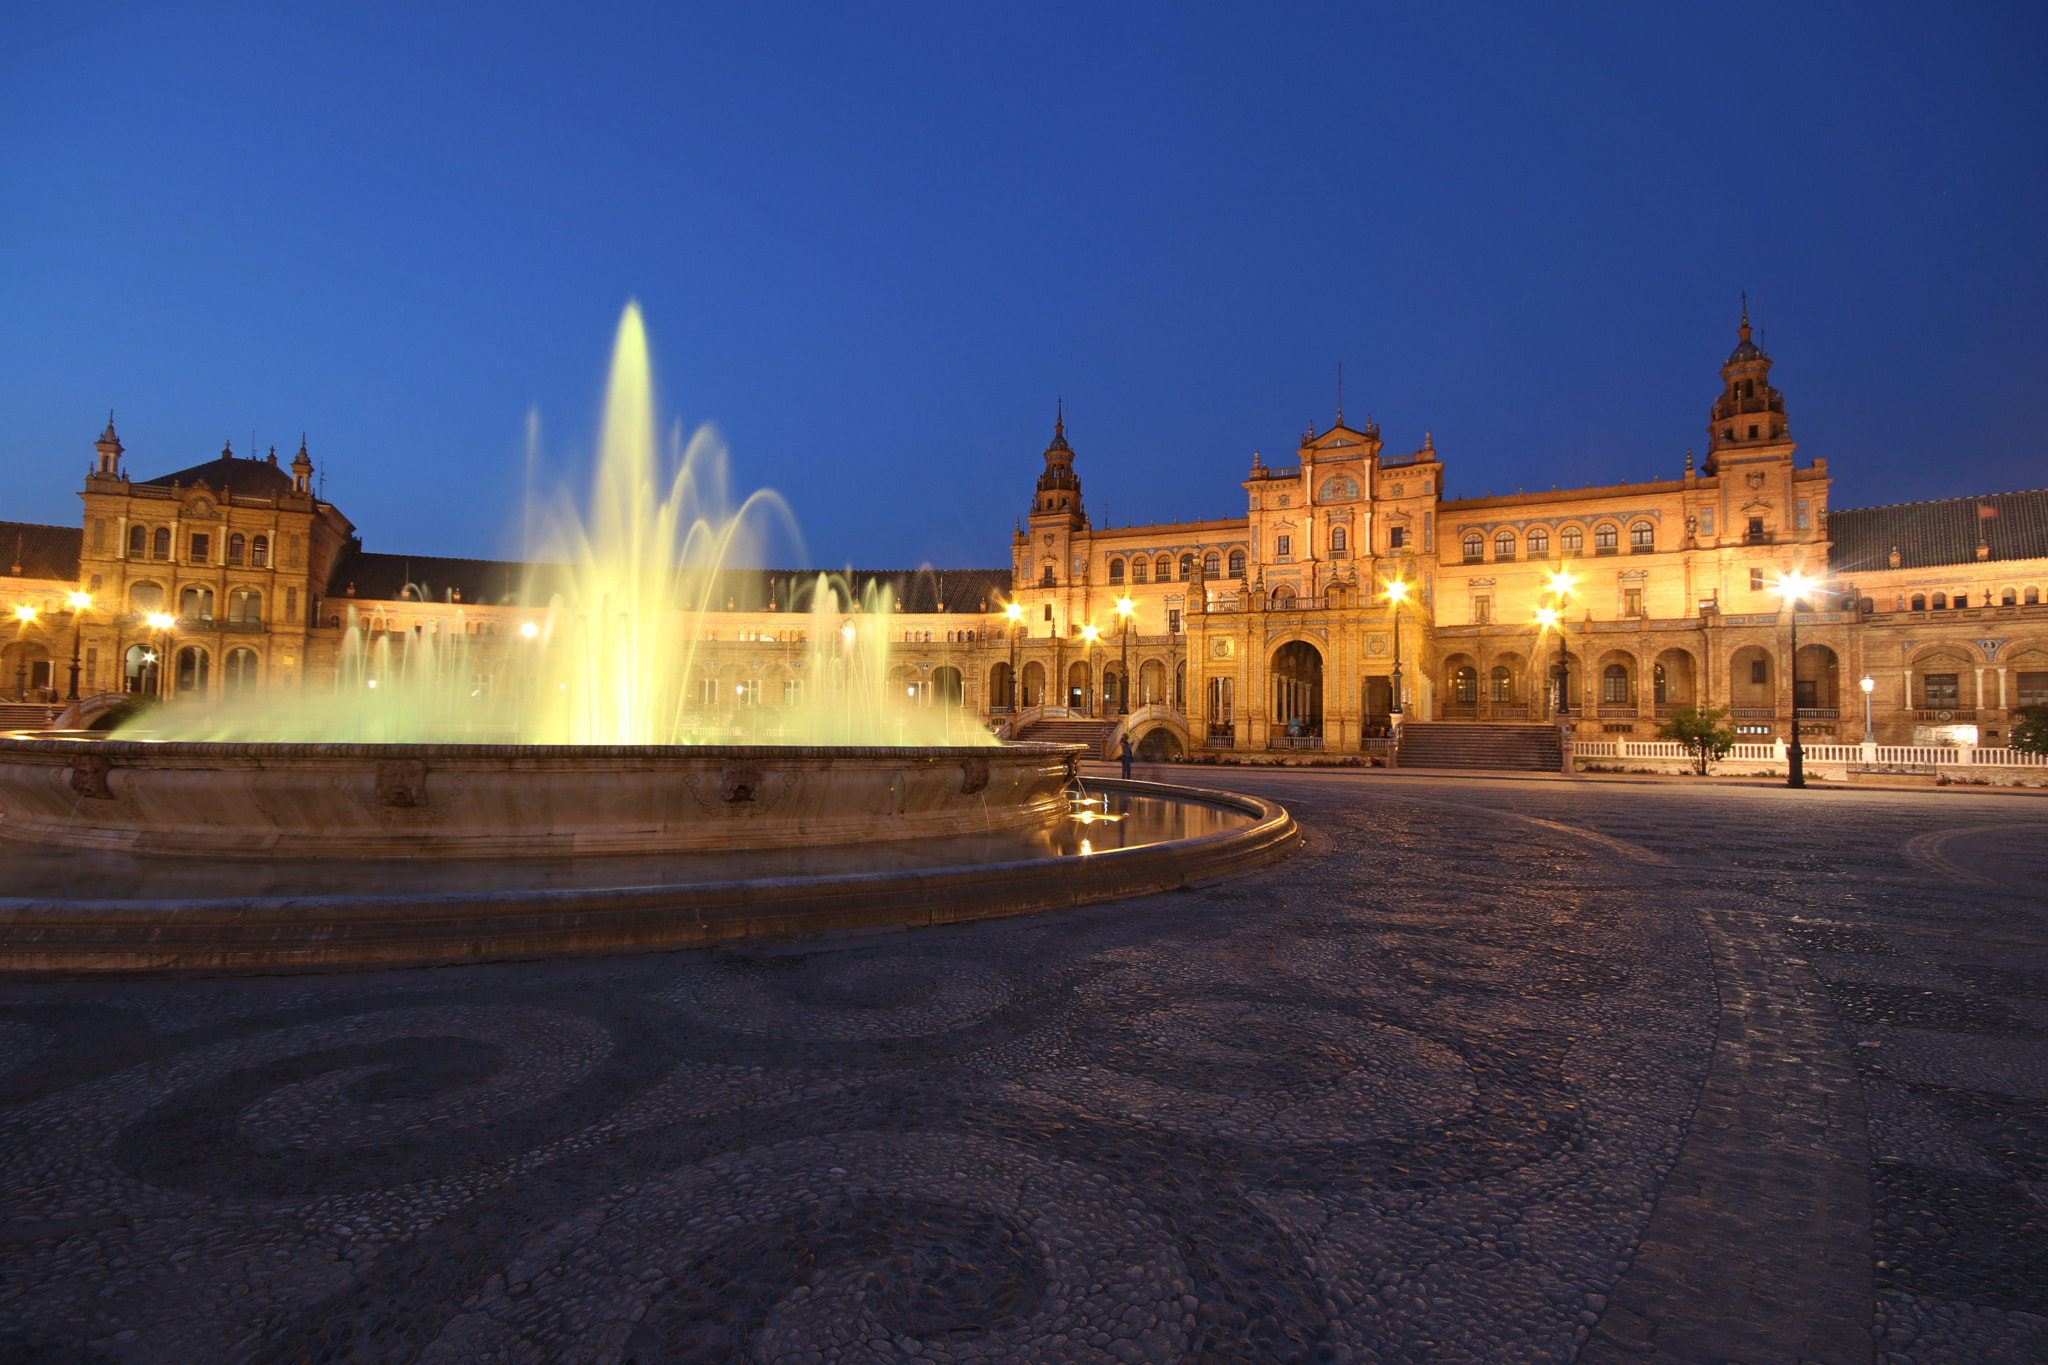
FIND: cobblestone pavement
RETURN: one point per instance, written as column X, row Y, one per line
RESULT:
column 1491, row 1071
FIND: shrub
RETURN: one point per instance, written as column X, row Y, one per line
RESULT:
column 1706, row 734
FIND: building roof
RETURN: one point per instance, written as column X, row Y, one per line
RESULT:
column 1926, row 534
column 494, row 582
column 255, row 478
column 31, row 551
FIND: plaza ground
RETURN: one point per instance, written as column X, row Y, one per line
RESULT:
column 1493, row 1069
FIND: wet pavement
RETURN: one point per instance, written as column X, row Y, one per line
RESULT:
column 1492, row 1070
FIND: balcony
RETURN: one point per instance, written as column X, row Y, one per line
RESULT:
column 1817, row 712
column 1617, row 713
column 1753, row 712
column 1507, row 558
column 1295, row 742
column 1606, row 549
column 1943, row 715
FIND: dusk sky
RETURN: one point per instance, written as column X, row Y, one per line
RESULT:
column 875, row 244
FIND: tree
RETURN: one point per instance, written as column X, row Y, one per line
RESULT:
column 1707, row 735
column 2030, row 730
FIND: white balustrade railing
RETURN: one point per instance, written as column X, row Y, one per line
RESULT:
column 1854, row 755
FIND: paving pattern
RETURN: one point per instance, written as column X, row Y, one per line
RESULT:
column 1492, row 1071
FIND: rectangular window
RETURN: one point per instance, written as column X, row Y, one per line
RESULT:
column 2033, row 689
column 291, row 604
column 1482, row 611
column 1756, row 530
column 202, row 545
column 1283, row 546
column 1397, row 537
column 707, row 691
column 1756, row 580
column 1706, row 521
column 792, row 691
column 1941, row 690
column 94, row 586
column 1631, row 601
column 1173, row 620
column 1760, row 671
column 1429, row 533
column 99, row 534
column 1799, row 516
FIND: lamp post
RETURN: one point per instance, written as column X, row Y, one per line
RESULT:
column 27, row 616
column 1869, row 685
column 1092, row 636
column 79, row 602
column 1124, row 608
column 160, row 623
column 1015, row 611
column 1792, row 587
column 1560, row 591
column 1397, row 593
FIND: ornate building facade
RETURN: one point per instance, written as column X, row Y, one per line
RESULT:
column 1349, row 576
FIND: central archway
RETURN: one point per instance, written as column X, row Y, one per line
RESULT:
column 1297, row 691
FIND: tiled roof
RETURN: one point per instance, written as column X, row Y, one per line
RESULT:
column 385, row 577
column 1926, row 534
column 257, row 478
column 40, row 551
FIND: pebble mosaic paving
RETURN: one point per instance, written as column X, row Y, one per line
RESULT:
column 1492, row 1070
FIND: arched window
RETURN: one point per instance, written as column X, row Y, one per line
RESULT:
column 192, row 669
column 1465, row 686
column 240, row 675
column 1139, row 568
column 138, row 542
column 1337, row 540
column 1237, row 563
column 1504, row 545
column 1187, row 567
column 1475, row 545
column 1212, row 565
column 259, row 552
column 1572, row 539
column 245, row 607
column 1614, row 685
column 160, row 543
column 1606, row 539
column 238, row 547
column 1116, row 571
column 1642, row 536
column 1502, row 684
column 1919, row 601
column 1941, row 601
column 144, row 598
column 1165, row 568
column 196, row 604
column 1539, row 542
column 2032, row 597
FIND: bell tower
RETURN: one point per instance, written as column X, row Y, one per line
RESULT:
column 109, row 448
column 1749, row 416
column 1056, row 514
column 302, row 469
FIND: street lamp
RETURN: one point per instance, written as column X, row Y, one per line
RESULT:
column 159, row 622
column 1792, row 587
column 1015, row 611
column 79, row 602
column 1124, row 607
column 1560, row 589
column 27, row 616
column 1092, row 636
column 1869, row 685
column 1397, row 593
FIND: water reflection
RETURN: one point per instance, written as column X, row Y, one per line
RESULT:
column 1099, row 822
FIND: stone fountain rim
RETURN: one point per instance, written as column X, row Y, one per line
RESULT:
column 27, row 742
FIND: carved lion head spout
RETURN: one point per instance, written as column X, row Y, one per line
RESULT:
column 739, row 779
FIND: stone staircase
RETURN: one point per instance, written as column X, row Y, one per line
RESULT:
column 26, row 715
column 1093, row 733
column 1502, row 748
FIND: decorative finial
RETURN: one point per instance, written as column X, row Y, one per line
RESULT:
column 1744, row 328
column 227, row 450
column 1688, row 459
column 1059, row 421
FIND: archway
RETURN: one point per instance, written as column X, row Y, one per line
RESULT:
column 1298, row 690
column 1113, row 690
column 1151, row 683
column 1283, row 598
column 1079, row 696
column 1617, row 679
column 1753, row 683
column 1816, row 683
column 138, row 670
column 193, row 667
column 1158, row 744
column 1377, row 703
column 1034, row 684
column 1000, row 680
column 239, row 675
column 946, row 686
column 1673, row 682
column 1507, row 686
column 1461, row 687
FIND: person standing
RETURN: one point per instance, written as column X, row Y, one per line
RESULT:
column 1123, row 754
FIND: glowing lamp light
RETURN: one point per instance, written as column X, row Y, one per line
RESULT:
column 847, row 631
column 159, row 621
column 529, row 630
column 1125, row 606
column 80, row 600
column 1793, row 586
column 1546, row 617
column 1561, row 582
column 1397, row 591
column 1015, row 611
column 1869, row 684
column 373, row 684
column 24, row 614
column 1090, row 633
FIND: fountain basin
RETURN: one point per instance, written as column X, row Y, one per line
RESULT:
column 444, row 801
column 126, row 913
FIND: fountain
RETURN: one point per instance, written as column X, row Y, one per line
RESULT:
column 583, row 808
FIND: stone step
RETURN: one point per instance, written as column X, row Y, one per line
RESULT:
column 15, row 715
column 1509, row 748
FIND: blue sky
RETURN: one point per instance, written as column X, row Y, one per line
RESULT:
column 875, row 244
